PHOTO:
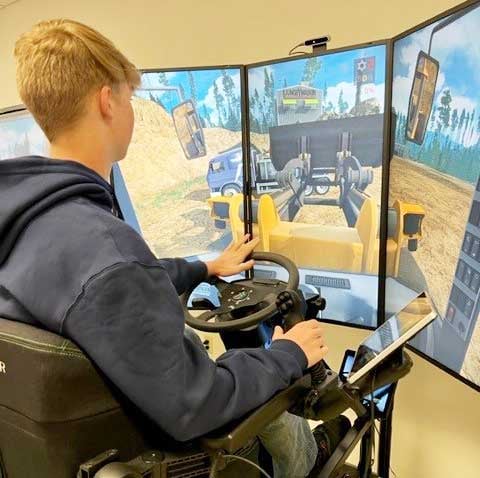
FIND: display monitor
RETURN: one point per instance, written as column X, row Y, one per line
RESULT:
column 186, row 149
column 434, row 193
column 20, row 135
column 317, row 150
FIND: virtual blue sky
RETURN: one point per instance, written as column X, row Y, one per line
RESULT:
column 336, row 68
column 204, row 81
column 457, row 48
column 13, row 129
column 17, row 126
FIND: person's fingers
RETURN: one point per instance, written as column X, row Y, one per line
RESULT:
column 313, row 324
column 241, row 244
column 245, row 266
column 242, row 241
column 250, row 246
column 277, row 333
column 318, row 337
column 319, row 332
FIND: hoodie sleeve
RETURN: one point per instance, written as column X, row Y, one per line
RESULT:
column 129, row 321
column 184, row 274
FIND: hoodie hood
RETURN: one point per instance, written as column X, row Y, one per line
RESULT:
column 32, row 184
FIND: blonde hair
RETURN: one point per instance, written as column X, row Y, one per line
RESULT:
column 59, row 63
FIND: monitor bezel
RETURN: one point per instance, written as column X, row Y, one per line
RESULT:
column 12, row 109
column 187, row 68
column 420, row 26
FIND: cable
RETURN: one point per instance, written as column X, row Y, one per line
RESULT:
column 293, row 52
column 299, row 53
column 390, row 467
column 373, row 426
column 241, row 458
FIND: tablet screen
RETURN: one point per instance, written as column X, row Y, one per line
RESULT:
column 392, row 334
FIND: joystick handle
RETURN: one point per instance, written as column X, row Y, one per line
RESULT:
column 289, row 305
column 318, row 373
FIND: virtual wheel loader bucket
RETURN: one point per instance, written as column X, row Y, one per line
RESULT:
column 349, row 249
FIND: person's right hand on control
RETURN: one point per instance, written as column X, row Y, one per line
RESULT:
column 308, row 335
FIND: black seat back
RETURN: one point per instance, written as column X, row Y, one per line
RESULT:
column 56, row 410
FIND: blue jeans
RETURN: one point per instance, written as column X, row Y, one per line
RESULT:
column 288, row 440
column 291, row 445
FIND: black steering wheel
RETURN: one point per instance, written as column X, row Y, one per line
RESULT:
column 243, row 303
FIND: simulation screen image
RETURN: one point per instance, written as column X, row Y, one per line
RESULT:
column 187, row 136
column 434, row 196
column 317, row 134
column 21, row 136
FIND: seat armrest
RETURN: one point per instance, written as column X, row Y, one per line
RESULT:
column 237, row 434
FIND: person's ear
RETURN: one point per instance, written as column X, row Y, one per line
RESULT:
column 105, row 102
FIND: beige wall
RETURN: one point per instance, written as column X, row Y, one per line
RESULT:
column 437, row 420
column 186, row 33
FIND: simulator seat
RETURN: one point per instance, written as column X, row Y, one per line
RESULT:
column 57, row 413
column 325, row 247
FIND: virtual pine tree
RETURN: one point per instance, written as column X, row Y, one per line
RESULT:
column 342, row 105
column 263, row 113
column 193, row 88
column 232, row 119
column 162, row 79
column 269, row 113
column 220, row 105
column 444, row 111
column 448, row 143
column 455, row 121
column 255, row 106
column 311, row 68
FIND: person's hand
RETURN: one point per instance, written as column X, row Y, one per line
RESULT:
column 308, row 335
column 232, row 260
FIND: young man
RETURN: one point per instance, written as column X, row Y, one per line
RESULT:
column 67, row 263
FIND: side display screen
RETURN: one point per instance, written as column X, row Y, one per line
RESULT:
column 317, row 136
column 185, row 151
column 434, row 196
column 21, row 136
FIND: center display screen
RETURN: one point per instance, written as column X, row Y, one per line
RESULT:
column 317, row 136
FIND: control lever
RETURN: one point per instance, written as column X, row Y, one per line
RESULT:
column 314, row 305
column 289, row 305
